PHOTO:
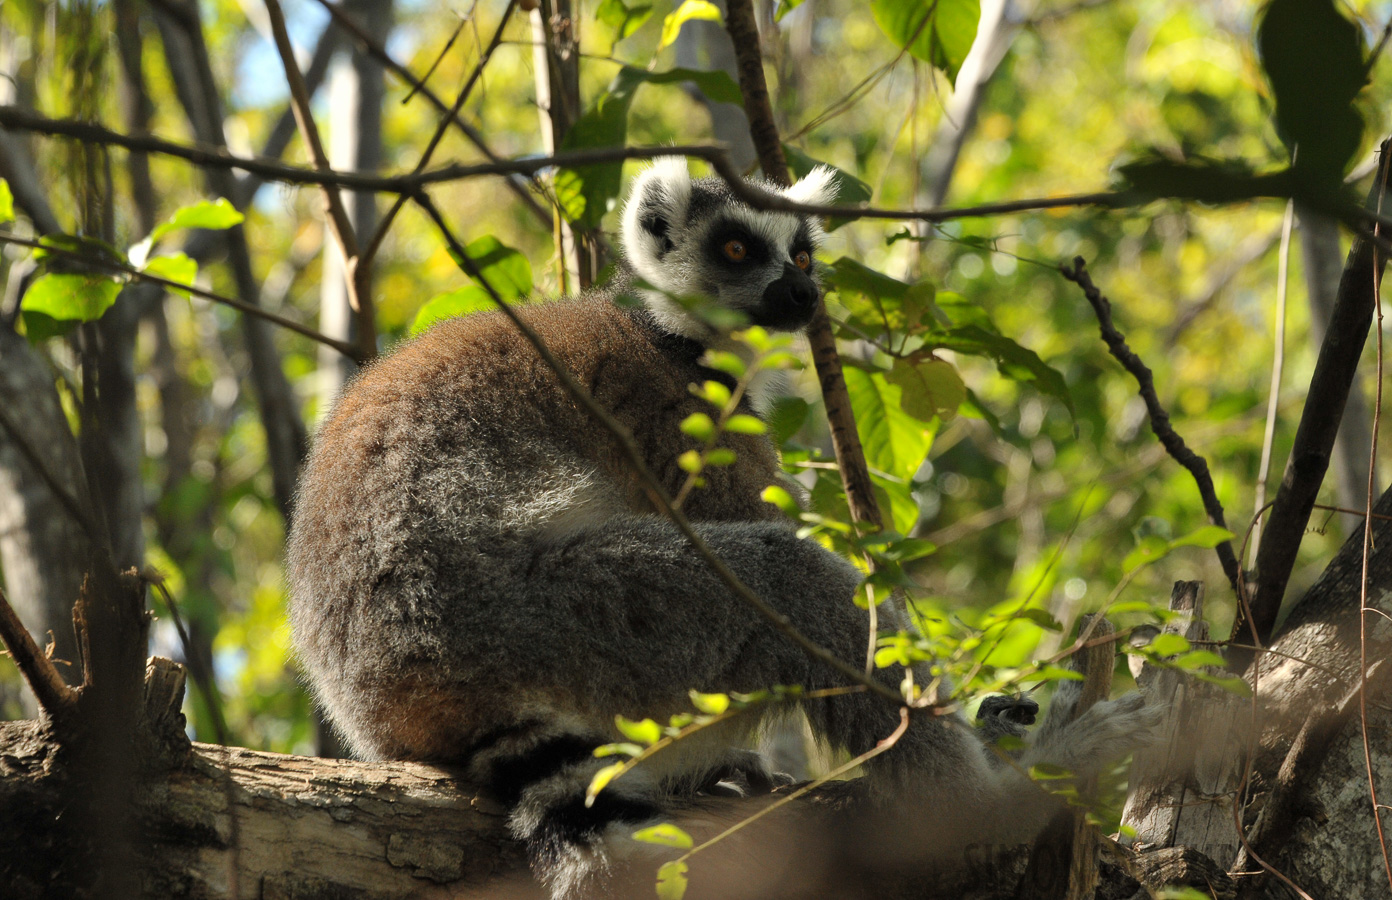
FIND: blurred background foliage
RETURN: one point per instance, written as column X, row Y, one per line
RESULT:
column 1025, row 501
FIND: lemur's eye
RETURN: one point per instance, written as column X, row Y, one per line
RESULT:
column 735, row 251
column 802, row 259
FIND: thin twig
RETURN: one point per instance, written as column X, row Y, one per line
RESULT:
column 16, row 118
column 250, row 309
column 1368, row 549
column 340, row 225
column 1278, row 364
column 374, row 48
column 375, row 242
column 1159, row 418
column 53, row 694
column 845, row 438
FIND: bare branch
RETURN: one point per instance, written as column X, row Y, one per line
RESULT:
column 1314, row 437
column 359, row 297
column 38, row 670
column 1159, row 418
column 845, row 438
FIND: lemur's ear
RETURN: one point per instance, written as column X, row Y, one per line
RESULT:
column 655, row 215
column 817, row 188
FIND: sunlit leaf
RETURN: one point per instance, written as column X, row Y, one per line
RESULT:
column 743, row 424
column 701, row 10
column 644, row 731
column 785, row 7
column 1167, row 643
column 666, row 834
column 894, row 441
column 698, row 425
column 623, row 19
column 671, row 880
column 176, row 267
column 212, row 214
column 6, row 201
column 601, row 780
column 1209, row 536
column 939, row 32
column 504, row 269
column 81, row 298
column 469, row 299
column 710, row 704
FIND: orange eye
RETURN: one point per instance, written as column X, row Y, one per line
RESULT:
column 735, row 251
column 802, row 260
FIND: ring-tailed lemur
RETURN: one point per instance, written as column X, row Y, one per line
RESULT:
column 478, row 577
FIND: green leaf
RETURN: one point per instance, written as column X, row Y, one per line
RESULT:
column 1057, row 673
column 720, row 456
column 939, row 32
column 1208, row 537
column 1148, row 550
column 850, row 190
column 690, row 461
column 601, row 780
column 781, row 499
column 894, row 442
column 6, row 201
column 645, row 731
column 1013, row 361
column 666, row 834
column 698, row 425
column 1298, row 38
column 1167, row 643
column 689, row 10
column 671, row 880
column 469, row 299
column 69, row 297
column 785, row 7
column 714, row 393
column 215, row 214
column 506, row 270
column 710, row 704
column 786, row 417
column 742, row 424
column 931, row 388
column 623, row 19
column 173, row 267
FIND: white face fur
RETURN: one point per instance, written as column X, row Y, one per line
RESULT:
column 686, row 237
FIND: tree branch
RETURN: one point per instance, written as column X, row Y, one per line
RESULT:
column 845, row 438
column 1159, row 418
column 1314, row 437
column 38, row 670
column 359, row 296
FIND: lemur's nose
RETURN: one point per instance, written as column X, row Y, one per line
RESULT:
column 802, row 290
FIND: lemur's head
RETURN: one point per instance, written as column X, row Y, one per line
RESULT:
column 688, row 236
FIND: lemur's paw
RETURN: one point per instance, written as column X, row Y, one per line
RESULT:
column 744, row 773
column 1006, row 715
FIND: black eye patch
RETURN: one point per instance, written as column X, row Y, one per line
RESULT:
column 756, row 249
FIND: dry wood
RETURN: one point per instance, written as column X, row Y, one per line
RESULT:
column 1183, row 788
